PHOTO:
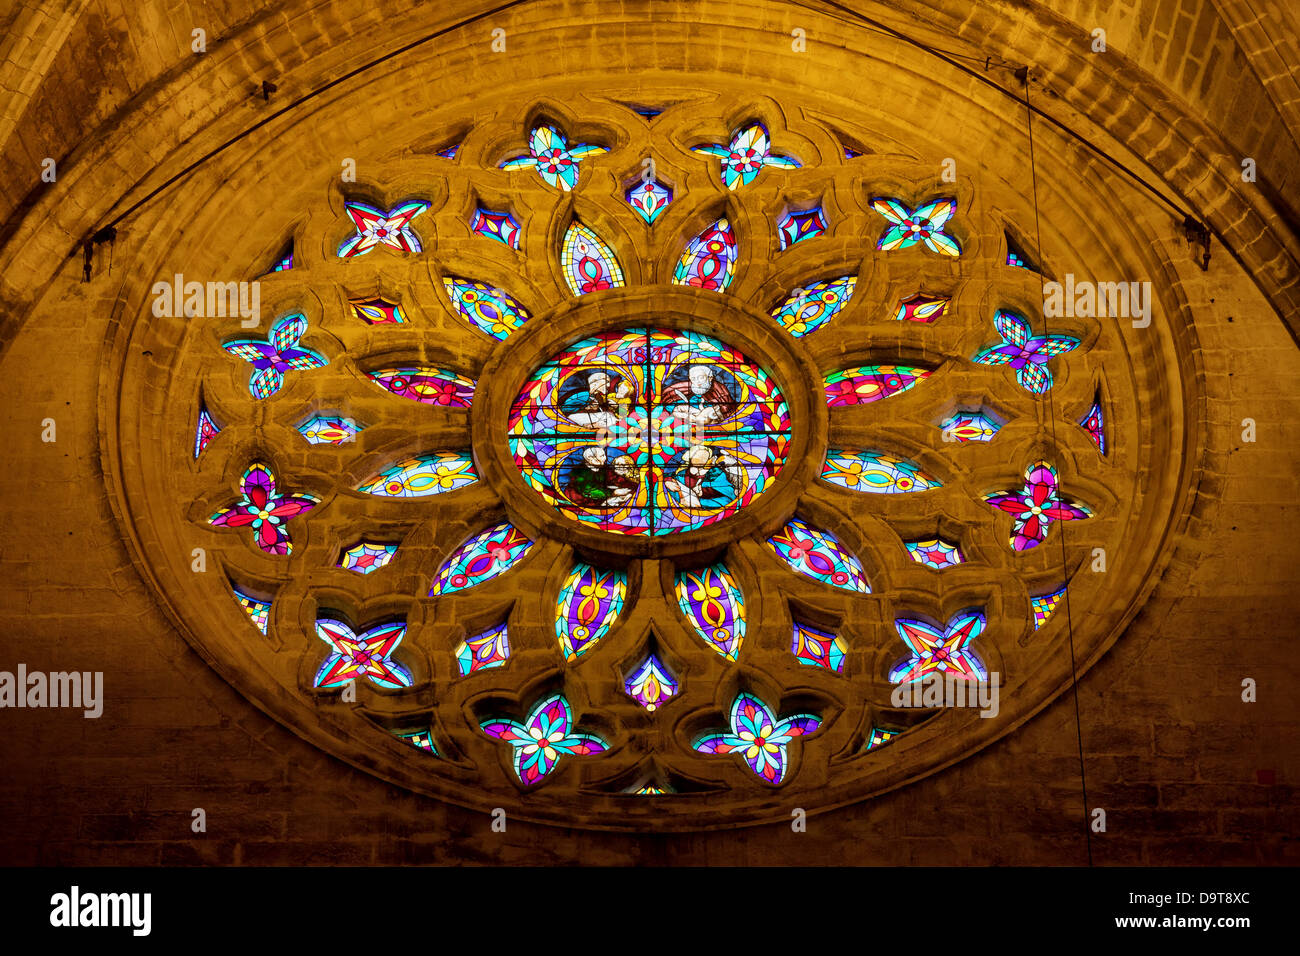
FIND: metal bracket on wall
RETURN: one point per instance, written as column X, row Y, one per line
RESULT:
column 107, row 234
column 1196, row 231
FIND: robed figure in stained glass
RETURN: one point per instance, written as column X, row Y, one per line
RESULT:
column 600, row 404
column 689, row 431
column 597, row 482
column 704, row 479
column 701, row 398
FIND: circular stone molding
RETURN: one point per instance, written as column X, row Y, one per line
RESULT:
column 696, row 319
column 359, row 512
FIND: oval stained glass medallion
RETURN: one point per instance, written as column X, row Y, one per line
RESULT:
column 649, row 431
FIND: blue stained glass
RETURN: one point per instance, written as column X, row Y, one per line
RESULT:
column 649, row 199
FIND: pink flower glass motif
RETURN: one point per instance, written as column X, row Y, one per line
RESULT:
column 1035, row 506
column 759, row 737
column 543, row 738
column 264, row 511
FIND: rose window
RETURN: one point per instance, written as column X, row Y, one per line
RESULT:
column 553, row 478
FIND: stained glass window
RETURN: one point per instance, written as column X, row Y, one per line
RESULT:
column 375, row 227
column 870, row 383
column 945, row 651
column 922, row 308
column 422, row 475
column 258, row 611
column 709, row 261
column 365, row 656
column 329, row 430
column 630, row 426
column 591, row 599
column 1094, row 424
column 278, row 354
column 430, row 386
column 622, row 424
column 364, row 557
column 1016, row 256
column 759, row 737
column 1044, row 606
column 965, row 425
column 481, row 557
column 553, row 158
column 818, row 554
column 807, row 310
column 713, row 604
column 485, row 307
column 264, row 510
column 488, row 649
column 745, row 156
column 500, row 226
column 377, row 311
column 853, row 147
column 875, row 471
column 935, row 553
column 650, row 684
column 419, row 739
column 1035, row 506
column 1027, row 354
column 205, row 430
column 649, row 431
column 545, row 736
column 818, row 648
column 649, row 199
column 588, row 263
column 284, row 260
column 798, row 225
column 879, row 736
column 925, row 225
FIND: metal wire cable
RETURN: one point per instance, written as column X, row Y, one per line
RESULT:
column 1051, row 405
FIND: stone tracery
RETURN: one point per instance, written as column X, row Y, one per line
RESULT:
column 607, row 275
